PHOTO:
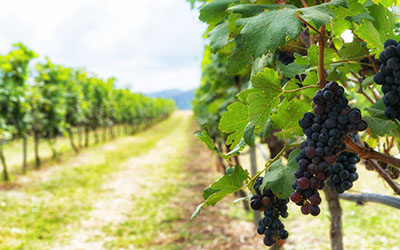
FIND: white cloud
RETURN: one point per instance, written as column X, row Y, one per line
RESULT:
column 147, row 45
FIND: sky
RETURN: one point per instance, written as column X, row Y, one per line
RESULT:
column 147, row 45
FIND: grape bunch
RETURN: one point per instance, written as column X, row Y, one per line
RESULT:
column 325, row 130
column 389, row 77
column 270, row 226
column 344, row 172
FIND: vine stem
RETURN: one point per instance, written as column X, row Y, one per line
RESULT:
column 321, row 47
column 385, row 175
column 304, row 3
column 299, row 89
column 367, row 152
column 360, row 89
column 353, row 59
column 382, row 173
column 307, row 23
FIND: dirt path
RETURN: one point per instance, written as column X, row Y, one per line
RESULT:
column 117, row 196
column 213, row 229
column 216, row 227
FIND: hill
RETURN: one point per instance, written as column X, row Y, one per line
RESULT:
column 182, row 98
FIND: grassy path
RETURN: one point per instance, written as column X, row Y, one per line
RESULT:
column 135, row 192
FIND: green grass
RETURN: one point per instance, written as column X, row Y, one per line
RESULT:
column 33, row 215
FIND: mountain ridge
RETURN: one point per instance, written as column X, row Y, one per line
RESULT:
column 182, row 98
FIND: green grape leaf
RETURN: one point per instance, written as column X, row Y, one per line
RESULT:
column 290, row 85
column 249, row 135
column 231, row 182
column 266, row 98
column 378, row 126
column 300, row 60
column 267, row 81
column 311, row 78
column 239, row 148
column 245, row 93
column 287, row 116
column 292, row 69
column 260, row 107
column 367, row 81
column 383, row 20
column 367, row 32
column 214, row 12
column 350, row 50
column 280, row 178
column 233, row 122
column 318, row 14
column 262, row 33
column 265, row 31
column 219, row 37
column 238, row 61
column 206, row 139
column 377, row 109
column 248, row 10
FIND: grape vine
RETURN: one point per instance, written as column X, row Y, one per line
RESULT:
column 266, row 67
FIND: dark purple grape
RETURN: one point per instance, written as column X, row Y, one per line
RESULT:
column 389, row 42
column 393, row 63
column 391, row 98
column 315, row 200
column 390, row 52
column 382, row 57
column 303, row 182
column 314, row 210
column 283, row 234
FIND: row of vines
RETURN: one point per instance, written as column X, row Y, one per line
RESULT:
column 52, row 100
column 317, row 82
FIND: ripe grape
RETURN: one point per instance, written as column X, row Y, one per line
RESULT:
column 271, row 226
column 326, row 130
column 389, row 78
column 345, row 172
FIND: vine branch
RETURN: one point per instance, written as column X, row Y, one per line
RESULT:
column 367, row 152
column 307, row 23
column 361, row 89
column 353, row 59
column 321, row 47
column 384, row 175
column 371, row 197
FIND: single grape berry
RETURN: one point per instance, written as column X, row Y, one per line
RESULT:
column 389, row 42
